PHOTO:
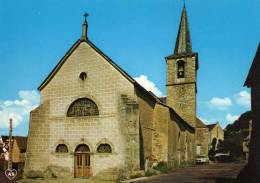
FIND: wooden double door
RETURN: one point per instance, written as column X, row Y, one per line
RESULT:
column 82, row 165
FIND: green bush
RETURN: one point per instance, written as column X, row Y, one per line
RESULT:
column 163, row 167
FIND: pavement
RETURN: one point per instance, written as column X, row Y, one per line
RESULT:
column 213, row 173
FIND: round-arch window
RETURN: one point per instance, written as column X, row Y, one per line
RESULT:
column 104, row 148
column 61, row 148
column 82, row 148
column 83, row 107
column 83, row 76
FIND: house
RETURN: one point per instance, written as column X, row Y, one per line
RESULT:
column 216, row 133
column 18, row 152
column 246, row 142
column 251, row 172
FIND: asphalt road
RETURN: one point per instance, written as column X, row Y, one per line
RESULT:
column 213, row 173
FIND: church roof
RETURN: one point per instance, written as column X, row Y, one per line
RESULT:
column 20, row 140
column 199, row 123
column 254, row 70
column 211, row 126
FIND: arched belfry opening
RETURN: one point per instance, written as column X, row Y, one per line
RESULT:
column 180, row 69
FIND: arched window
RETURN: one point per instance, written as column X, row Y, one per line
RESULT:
column 61, row 148
column 82, row 148
column 180, row 69
column 104, row 148
column 83, row 107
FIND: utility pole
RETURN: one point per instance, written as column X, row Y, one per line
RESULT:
column 10, row 144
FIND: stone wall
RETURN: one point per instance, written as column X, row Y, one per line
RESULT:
column 37, row 154
column 181, row 92
column 161, row 133
column 202, row 138
column 146, row 107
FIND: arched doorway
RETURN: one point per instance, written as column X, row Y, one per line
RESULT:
column 82, row 166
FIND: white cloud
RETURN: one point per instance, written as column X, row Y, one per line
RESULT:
column 231, row 118
column 18, row 109
column 243, row 98
column 148, row 85
column 220, row 103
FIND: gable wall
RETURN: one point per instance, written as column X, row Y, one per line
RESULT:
column 104, row 85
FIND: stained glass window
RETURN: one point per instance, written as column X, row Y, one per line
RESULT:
column 61, row 148
column 104, row 148
column 82, row 148
column 83, row 107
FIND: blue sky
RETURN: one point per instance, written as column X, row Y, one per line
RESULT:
column 137, row 35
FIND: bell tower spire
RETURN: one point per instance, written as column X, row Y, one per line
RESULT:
column 183, row 41
column 182, row 68
column 85, row 28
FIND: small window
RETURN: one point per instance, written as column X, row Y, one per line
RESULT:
column 181, row 69
column 61, row 148
column 104, row 148
column 83, row 76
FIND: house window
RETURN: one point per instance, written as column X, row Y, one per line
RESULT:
column 61, row 148
column 180, row 69
column 83, row 107
column 104, row 148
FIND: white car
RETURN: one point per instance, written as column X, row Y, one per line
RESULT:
column 202, row 159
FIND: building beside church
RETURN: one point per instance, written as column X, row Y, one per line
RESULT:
column 251, row 172
column 95, row 118
column 246, row 142
column 18, row 152
column 216, row 133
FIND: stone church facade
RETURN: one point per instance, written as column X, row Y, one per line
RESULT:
column 94, row 117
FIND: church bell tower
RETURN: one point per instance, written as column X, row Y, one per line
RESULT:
column 182, row 68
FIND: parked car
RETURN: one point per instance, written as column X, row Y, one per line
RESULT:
column 223, row 157
column 201, row 159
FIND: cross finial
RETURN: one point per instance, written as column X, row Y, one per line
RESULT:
column 86, row 15
column 85, row 27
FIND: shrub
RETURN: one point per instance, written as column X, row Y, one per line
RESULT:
column 163, row 167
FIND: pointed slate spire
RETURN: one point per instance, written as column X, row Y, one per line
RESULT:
column 183, row 41
column 85, row 28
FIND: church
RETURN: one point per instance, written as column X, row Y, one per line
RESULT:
column 95, row 118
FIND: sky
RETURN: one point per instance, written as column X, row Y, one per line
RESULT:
column 137, row 35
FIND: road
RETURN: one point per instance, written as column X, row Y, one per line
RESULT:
column 4, row 179
column 213, row 173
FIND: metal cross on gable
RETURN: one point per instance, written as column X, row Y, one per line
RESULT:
column 86, row 15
